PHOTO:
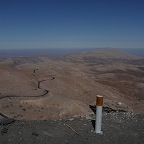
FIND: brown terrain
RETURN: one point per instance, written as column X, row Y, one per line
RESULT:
column 45, row 88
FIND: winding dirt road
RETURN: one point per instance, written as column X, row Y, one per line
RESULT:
column 39, row 87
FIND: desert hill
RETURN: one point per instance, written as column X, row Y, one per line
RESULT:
column 105, row 53
column 45, row 88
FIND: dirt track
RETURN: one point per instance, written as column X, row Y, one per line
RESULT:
column 39, row 87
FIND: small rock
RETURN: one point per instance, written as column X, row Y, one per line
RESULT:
column 92, row 130
column 71, row 119
column 87, row 138
column 4, row 130
column 20, row 139
column 119, row 103
column 35, row 133
column 88, row 117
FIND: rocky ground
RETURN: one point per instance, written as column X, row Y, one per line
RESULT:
column 118, row 128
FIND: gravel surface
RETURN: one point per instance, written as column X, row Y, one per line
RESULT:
column 118, row 128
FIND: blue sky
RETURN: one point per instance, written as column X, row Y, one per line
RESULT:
column 71, row 23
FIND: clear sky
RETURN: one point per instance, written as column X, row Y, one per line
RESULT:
column 71, row 23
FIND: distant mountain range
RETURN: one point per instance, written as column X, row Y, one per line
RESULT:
column 62, row 51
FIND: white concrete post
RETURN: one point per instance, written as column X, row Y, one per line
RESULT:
column 98, row 121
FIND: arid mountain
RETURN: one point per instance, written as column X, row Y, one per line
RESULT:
column 107, row 53
column 44, row 88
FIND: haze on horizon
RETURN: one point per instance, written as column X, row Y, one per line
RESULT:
column 71, row 24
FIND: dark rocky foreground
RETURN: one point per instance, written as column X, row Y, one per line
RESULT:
column 118, row 128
